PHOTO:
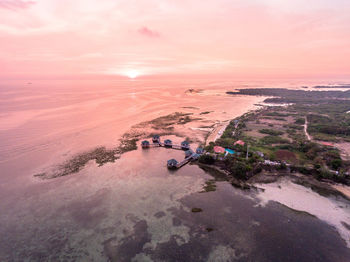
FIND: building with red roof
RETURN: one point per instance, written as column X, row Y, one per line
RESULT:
column 219, row 149
column 327, row 144
column 239, row 142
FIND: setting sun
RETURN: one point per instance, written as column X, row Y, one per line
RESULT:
column 132, row 74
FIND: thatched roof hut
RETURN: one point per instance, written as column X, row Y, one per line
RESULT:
column 188, row 153
column 145, row 144
column 172, row 164
column 185, row 145
column 199, row 150
column 168, row 143
column 156, row 139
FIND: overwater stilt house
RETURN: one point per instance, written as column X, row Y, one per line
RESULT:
column 188, row 153
column 172, row 164
column 156, row 139
column 185, row 145
column 168, row 143
column 199, row 151
column 145, row 144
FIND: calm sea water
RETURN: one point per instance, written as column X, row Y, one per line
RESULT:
column 135, row 209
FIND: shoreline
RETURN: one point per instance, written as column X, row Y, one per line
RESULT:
column 171, row 124
column 164, row 125
column 340, row 188
column 215, row 133
column 193, row 124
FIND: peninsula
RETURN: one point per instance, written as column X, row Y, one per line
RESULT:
column 295, row 132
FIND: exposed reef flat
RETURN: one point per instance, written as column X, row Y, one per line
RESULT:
column 164, row 125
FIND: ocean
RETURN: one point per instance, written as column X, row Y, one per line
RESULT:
column 135, row 209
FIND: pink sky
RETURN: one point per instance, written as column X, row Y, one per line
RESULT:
column 238, row 38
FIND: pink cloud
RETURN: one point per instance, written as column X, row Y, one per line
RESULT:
column 259, row 39
column 15, row 4
column 148, row 32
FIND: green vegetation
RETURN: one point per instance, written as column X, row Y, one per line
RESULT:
column 327, row 120
column 205, row 112
column 206, row 159
column 168, row 121
column 101, row 155
column 338, row 125
column 271, row 132
column 293, row 126
column 300, row 121
column 281, row 95
column 336, row 86
column 268, row 140
column 239, row 168
column 276, row 114
column 126, row 145
column 209, row 186
column 226, row 142
column 280, row 119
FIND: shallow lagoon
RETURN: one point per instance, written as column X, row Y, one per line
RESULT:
column 135, row 209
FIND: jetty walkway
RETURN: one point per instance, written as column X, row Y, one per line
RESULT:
column 176, row 147
column 186, row 160
column 190, row 155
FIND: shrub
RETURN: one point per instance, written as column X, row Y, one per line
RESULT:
column 210, row 147
column 273, row 140
column 336, row 164
column 311, row 154
column 257, row 169
column 305, row 147
column 291, row 131
column 282, row 166
column 276, row 114
column 280, row 119
column 300, row 121
column 293, row 126
column 286, row 147
column 324, row 173
column 240, row 169
column 206, row 159
column 271, row 132
column 331, row 155
column 317, row 166
column 226, row 142
column 301, row 169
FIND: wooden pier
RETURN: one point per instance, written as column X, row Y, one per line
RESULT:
column 193, row 156
column 185, row 161
column 176, row 147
